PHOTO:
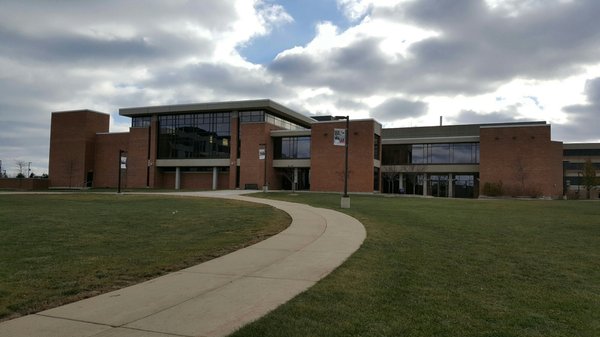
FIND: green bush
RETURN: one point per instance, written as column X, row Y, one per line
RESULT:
column 493, row 189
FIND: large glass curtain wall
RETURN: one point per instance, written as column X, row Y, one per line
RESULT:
column 453, row 153
column 292, row 148
column 457, row 153
column 194, row 136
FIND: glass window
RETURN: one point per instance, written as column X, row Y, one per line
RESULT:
column 140, row 122
column 440, row 153
column 261, row 116
column 419, row 155
column 376, row 144
column 292, row 148
column 455, row 153
column 194, row 136
column 396, row 154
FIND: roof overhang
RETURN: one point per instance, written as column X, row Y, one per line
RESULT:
column 267, row 105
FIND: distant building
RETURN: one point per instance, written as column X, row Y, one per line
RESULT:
column 256, row 143
column 574, row 157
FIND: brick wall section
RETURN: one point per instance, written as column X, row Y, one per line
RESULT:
column 524, row 159
column 106, row 171
column 251, row 168
column 72, row 147
column 26, row 184
column 327, row 160
column 137, row 157
column 154, row 175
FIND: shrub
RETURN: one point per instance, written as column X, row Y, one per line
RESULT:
column 493, row 189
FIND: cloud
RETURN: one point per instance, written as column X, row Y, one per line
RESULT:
column 474, row 117
column 420, row 58
column 584, row 119
column 473, row 49
column 397, row 108
column 110, row 54
column 221, row 81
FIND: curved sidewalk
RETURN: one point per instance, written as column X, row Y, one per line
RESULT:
column 216, row 297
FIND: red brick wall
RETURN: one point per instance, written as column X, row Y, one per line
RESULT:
column 327, row 160
column 72, row 147
column 24, row 184
column 106, row 171
column 137, row 157
column 524, row 159
column 154, row 176
column 252, row 170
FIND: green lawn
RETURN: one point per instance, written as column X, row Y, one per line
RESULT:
column 444, row 267
column 59, row 248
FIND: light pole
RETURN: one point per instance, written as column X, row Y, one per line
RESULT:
column 262, row 154
column 28, row 169
column 120, row 167
column 345, row 203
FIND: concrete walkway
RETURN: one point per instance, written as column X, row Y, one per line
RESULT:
column 216, row 297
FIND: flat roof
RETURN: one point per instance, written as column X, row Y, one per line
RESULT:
column 268, row 105
column 581, row 146
column 80, row 110
column 462, row 130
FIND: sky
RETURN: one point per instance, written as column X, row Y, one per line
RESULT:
column 402, row 62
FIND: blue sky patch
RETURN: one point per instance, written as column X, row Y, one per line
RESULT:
column 307, row 14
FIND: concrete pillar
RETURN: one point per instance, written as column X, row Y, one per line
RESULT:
column 215, row 176
column 295, row 186
column 401, row 181
column 450, row 186
column 425, row 184
column 177, row 178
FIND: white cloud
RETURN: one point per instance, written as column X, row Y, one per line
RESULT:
column 476, row 59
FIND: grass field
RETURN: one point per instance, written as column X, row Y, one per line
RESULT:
column 59, row 248
column 443, row 267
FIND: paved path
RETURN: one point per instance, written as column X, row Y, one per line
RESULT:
column 216, row 297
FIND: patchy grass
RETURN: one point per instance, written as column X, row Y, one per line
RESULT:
column 449, row 267
column 56, row 249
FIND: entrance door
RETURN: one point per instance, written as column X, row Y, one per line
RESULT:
column 89, row 179
column 439, row 185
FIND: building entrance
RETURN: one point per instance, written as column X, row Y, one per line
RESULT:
column 438, row 185
column 303, row 178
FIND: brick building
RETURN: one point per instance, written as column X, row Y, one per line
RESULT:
column 261, row 144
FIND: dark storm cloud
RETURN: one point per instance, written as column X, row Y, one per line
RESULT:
column 477, row 50
column 396, row 108
column 358, row 68
column 480, row 43
column 584, row 119
column 234, row 81
column 350, row 104
column 69, row 48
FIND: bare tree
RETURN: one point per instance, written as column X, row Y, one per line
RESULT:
column 412, row 174
column 288, row 173
column 389, row 174
column 521, row 174
column 21, row 164
column 589, row 178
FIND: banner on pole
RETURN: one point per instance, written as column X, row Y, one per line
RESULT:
column 339, row 137
column 262, row 152
column 123, row 162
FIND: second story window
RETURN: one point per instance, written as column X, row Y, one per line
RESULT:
column 292, row 148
